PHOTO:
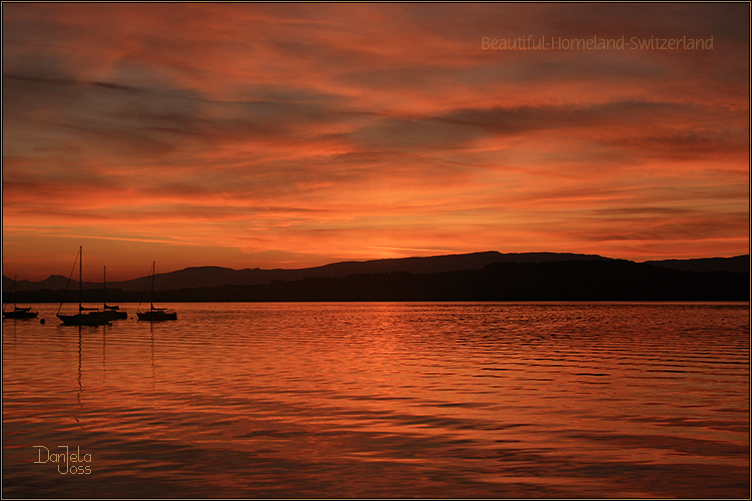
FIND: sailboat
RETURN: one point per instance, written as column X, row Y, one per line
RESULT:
column 17, row 312
column 85, row 316
column 114, row 311
column 155, row 314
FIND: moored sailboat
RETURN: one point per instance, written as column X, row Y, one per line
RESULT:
column 18, row 313
column 155, row 314
column 113, row 310
column 85, row 316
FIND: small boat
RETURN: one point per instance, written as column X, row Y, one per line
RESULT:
column 155, row 314
column 85, row 316
column 114, row 311
column 18, row 313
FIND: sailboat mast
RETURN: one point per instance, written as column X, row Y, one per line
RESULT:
column 153, row 271
column 80, row 276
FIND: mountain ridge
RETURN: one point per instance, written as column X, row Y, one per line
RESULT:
column 215, row 276
column 567, row 280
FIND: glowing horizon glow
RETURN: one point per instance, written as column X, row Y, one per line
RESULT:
column 296, row 135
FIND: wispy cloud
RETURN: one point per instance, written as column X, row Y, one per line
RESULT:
column 323, row 132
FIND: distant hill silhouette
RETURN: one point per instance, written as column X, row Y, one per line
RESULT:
column 508, row 277
column 580, row 280
column 211, row 276
column 738, row 264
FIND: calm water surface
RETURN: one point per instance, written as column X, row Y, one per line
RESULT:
column 382, row 400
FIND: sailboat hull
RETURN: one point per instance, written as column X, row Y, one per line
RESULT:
column 157, row 315
column 115, row 314
column 20, row 314
column 94, row 318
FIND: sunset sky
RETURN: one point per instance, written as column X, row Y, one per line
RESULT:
column 295, row 135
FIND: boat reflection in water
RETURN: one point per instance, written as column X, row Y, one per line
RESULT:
column 154, row 314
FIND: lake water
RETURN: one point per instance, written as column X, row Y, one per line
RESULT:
column 382, row 400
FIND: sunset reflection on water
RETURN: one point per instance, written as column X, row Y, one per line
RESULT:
column 385, row 399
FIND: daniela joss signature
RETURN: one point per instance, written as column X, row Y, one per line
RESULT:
column 75, row 464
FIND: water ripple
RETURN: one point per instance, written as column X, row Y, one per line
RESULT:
column 385, row 400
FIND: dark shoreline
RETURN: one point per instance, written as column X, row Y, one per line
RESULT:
column 577, row 280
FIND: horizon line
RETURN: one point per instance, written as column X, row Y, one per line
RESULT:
column 390, row 259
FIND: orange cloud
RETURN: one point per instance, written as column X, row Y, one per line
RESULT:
column 229, row 134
